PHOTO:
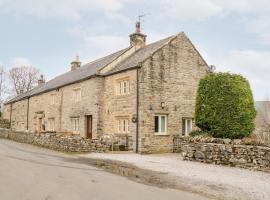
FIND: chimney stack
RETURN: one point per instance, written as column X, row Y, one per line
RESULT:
column 41, row 80
column 137, row 39
column 76, row 63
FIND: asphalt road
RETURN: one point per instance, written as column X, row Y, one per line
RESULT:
column 32, row 173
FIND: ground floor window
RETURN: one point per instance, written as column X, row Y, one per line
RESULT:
column 161, row 124
column 75, row 121
column 51, row 124
column 123, row 125
column 186, row 126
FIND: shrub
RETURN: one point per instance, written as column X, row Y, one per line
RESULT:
column 225, row 106
column 199, row 133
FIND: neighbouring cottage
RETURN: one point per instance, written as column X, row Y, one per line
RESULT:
column 144, row 92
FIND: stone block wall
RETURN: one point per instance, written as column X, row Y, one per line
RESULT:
column 55, row 141
column 235, row 153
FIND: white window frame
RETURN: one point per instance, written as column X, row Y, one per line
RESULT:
column 75, row 125
column 123, row 87
column 186, row 128
column 123, row 125
column 159, row 125
column 51, row 124
column 53, row 99
column 77, row 94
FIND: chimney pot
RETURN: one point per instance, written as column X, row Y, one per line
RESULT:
column 76, row 63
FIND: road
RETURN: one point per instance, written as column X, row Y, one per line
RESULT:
column 32, row 173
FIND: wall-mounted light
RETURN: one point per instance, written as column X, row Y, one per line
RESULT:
column 162, row 105
column 150, row 107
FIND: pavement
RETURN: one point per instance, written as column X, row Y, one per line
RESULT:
column 32, row 173
column 219, row 181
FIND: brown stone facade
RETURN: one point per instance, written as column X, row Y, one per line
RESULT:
column 164, row 86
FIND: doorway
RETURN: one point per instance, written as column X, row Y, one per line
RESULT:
column 89, row 126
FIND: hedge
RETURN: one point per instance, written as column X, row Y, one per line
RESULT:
column 225, row 106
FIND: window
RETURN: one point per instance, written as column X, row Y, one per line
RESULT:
column 123, row 87
column 77, row 94
column 161, row 124
column 186, row 126
column 75, row 125
column 123, row 125
column 51, row 124
column 53, row 99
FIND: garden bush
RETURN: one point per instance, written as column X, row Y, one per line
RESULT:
column 225, row 106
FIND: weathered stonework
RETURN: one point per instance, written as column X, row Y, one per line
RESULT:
column 170, row 75
column 236, row 153
column 55, row 141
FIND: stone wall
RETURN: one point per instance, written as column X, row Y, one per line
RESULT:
column 171, row 75
column 55, row 141
column 235, row 153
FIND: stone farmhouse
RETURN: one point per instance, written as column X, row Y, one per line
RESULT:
column 143, row 92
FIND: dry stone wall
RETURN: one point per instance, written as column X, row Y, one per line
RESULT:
column 236, row 153
column 55, row 141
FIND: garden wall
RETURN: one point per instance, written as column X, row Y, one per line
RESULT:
column 236, row 153
column 55, row 141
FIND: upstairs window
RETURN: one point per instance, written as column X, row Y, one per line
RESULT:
column 186, row 126
column 53, row 99
column 161, row 124
column 77, row 94
column 75, row 122
column 123, row 87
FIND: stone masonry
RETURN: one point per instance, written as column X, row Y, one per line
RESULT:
column 235, row 153
column 169, row 75
column 55, row 141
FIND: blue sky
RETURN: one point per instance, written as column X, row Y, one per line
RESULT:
column 233, row 35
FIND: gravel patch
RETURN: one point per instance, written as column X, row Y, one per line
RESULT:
column 221, row 181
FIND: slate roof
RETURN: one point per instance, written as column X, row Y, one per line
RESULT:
column 92, row 69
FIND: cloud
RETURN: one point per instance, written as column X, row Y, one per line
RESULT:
column 260, row 26
column 201, row 10
column 20, row 61
column 67, row 9
column 254, row 65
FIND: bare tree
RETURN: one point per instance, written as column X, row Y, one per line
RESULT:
column 263, row 122
column 23, row 78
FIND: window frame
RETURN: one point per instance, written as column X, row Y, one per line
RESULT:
column 75, row 125
column 159, row 124
column 186, row 130
column 51, row 124
column 53, row 99
column 123, row 125
column 77, row 94
column 123, row 87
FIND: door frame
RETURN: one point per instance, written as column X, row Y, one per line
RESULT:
column 89, row 126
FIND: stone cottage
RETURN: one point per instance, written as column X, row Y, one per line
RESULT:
column 144, row 92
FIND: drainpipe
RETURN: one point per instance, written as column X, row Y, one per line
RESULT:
column 137, row 112
column 27, row 114
column 10, row 117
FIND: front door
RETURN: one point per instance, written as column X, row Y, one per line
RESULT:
column 89, row 126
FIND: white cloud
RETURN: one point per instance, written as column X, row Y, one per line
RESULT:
column 70, row 9
column 260, row 26
column 186, row 9
column 20, row 61
column 254, row 65
column 201, row 10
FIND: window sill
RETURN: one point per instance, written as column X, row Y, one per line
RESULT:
column 161, row 134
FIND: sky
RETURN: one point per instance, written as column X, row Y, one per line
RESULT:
column 233, row 35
